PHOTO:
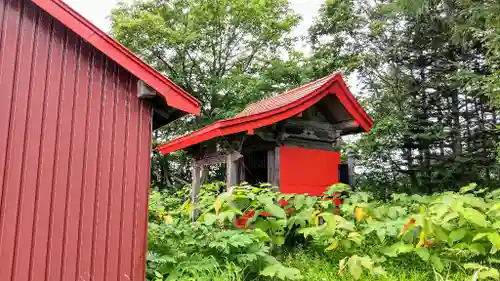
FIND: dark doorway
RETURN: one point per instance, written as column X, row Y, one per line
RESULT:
column 256, row 167
column 344, row 174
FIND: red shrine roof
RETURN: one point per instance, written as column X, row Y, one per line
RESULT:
column 173, row 94
column 275, row 109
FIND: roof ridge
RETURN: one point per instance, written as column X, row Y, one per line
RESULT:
column 309, row 84
column 285, row 94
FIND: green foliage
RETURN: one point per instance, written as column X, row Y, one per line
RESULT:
column 226, row 53
column 444, row 233
column 429, row 70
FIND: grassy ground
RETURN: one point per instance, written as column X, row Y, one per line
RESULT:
column 315, row 267
column 318, row 268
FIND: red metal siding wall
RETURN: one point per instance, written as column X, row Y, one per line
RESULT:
column 308, row 171
column 74, row 156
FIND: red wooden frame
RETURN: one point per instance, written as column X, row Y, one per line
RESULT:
column 334, row 85
column 173, row 94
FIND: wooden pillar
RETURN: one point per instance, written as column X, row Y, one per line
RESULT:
column 270, row 166
column 276, row 170
column 350, row 165
column 232, row 171
column 195, row 188
column 241, row 171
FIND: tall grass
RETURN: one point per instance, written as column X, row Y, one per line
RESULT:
column 316, row 267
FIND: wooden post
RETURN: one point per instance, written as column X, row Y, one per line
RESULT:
column 276, row 176
column 241, row 170
column 350, row 165
column 195, row 189
column 270, row 166
column 232, row 162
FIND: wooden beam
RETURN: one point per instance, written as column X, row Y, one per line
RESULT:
column 320, row 145
column 308, row 124
column 216, row 158
column 266, row 135
column 144, row 91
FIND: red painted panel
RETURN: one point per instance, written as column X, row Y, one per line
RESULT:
column 74, row 156
column 308, row 171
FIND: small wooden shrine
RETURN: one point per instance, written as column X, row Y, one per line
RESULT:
column 291, row 140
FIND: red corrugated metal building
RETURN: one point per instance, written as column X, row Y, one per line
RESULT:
column 75, row 144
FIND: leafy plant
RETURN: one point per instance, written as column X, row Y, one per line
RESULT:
column 246, row 228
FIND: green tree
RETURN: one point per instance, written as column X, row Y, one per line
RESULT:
column 434, row 128
column 227, row 53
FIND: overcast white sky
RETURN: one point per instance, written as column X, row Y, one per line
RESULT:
column 97, row 12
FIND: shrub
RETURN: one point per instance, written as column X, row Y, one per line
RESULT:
column 446, row 232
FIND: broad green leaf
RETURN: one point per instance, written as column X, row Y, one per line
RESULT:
column 169, row 219
column 346, row 244
column 494, row 238
column 260, row 234
column 342, row 265
column 390, row 252
column 309, row 231
column 262, row 224
column 343, row 223
column 210, row 218
column 355, row 237
column 403, row 248
column 275, row 210
column 480, row 236
column 397, row 248
column 496, row 225
column 332, row 246
column 219, row 201
column 381, row 234
column 458, row 234
column 423, row 253
column 270, row 270
column 494, row 208
column 450, row 216
column 393, row 213
column 278, row 239
column 366, row 262
column 355, row 268
column 438, row 264
column 379, row 271
column 489, row 273
column 329, row 219
column 475, row 217
column 468, row 188
column 299, row 201
column 473, row 266
column 281, row 272
column 477, row 248
column 440, row 232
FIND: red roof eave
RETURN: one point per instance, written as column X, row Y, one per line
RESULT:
column 173, row 94
column 241, row 124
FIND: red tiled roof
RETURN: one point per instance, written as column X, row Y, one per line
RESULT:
column 173, row 94
column 283, row 99
column 275, row 109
